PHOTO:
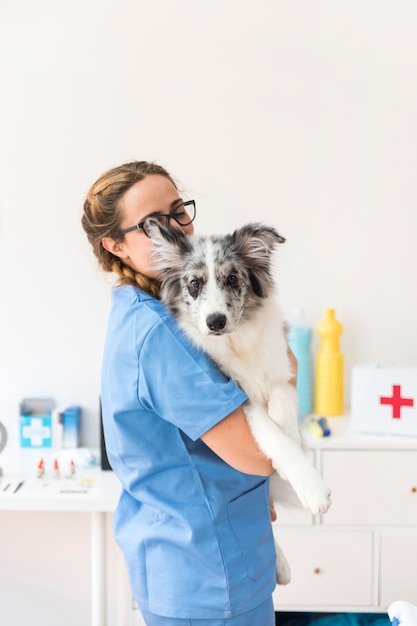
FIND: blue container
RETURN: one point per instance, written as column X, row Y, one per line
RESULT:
column 299, row 339
column 71, row 427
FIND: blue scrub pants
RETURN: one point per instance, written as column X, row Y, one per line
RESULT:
column 263, row 615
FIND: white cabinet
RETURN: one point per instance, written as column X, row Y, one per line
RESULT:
column 372, row 487
column 361, row 555
column 329, row 568
column 399, row 566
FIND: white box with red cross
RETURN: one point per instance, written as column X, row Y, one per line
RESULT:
column 384, row 400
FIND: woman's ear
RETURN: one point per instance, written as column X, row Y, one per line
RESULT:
column 114, row 247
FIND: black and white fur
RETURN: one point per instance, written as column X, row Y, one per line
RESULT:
column 221, row 291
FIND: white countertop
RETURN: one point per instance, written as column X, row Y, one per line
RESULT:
column 343, row 437
column 89, row 490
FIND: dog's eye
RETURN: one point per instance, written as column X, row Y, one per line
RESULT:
column 193, row 287
column 232, row 279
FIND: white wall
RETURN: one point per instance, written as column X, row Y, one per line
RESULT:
column 301, row 114
column 298, row 113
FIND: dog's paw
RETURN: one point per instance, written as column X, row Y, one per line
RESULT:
column 319, row 501
column 283, row 572
column 314, row 493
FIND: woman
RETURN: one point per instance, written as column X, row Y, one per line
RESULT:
column 193, row 519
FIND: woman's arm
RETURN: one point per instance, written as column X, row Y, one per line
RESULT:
column 232, row 440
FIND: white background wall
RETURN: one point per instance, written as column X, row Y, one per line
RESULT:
column 301, row 114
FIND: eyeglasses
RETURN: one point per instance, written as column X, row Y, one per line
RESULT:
column 183, row 214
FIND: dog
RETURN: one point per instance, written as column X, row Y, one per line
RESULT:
column 221, row 291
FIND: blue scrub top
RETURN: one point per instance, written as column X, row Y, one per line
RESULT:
column 196, row 533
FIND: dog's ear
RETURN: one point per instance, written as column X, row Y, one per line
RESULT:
column 170, row 245
column 258, row 239
column 255, row 244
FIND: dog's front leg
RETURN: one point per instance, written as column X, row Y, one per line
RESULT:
column 283, row 410
column 289, row 460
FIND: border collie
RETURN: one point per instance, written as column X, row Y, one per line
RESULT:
column 221, row 291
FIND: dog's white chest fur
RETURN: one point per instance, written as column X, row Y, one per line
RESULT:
column 254, row 355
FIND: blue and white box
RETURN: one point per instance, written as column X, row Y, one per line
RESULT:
column 36, row 424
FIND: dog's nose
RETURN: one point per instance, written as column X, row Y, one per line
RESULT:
column 216, row 321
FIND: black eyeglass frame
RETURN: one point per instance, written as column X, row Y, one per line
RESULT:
column 166, row 216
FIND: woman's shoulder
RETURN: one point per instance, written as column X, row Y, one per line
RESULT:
column 128, row 296
column 131, row 304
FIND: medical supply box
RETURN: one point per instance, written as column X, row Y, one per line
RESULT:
column 384, row 400
column 36, row 426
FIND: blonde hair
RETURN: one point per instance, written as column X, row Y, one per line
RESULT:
column 102, row 218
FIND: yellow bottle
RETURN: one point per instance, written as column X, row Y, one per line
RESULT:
column 329, row 368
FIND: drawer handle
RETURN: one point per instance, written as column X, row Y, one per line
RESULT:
column 413, row 489
column 317, row 570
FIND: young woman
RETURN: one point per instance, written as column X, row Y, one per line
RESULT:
column 193, row 519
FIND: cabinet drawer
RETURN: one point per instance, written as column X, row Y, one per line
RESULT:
column 371, row 487
column 328, row 568
column 292, row 516
column 398, row 566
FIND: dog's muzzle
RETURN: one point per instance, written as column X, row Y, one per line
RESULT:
column 216, row 322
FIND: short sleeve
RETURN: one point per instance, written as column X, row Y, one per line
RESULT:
column 181, row 383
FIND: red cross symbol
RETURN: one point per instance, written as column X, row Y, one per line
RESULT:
column 396, row 401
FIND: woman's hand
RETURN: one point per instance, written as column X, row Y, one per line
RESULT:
column 294, row 366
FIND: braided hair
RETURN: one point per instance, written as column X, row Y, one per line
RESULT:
column 102, row 218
